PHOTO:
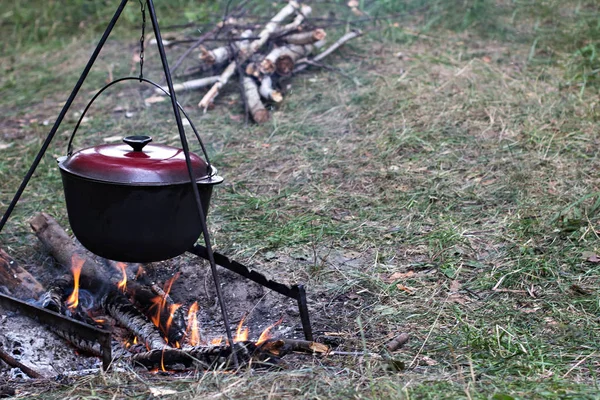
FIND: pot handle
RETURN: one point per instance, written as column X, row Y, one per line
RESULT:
column 137, row 78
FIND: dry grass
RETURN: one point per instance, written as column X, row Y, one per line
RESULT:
column 451, row 194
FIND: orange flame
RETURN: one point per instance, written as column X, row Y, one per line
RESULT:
column 139, row 272
column 169, row 283
column 157, row 302
column 172, row 309
column 76, row 265
column 216, row 341
column 266, row 334
column 192, row 332
column 162, row 359
column 122, row 285
column 241, row 335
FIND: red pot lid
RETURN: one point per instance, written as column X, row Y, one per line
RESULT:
column 134, row 163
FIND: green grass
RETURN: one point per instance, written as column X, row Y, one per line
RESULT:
column 469, row 165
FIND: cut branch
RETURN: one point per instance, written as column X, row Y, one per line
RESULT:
column 340, row 42
column 266, row 90
column 190, row 85
column 257, row 109
column 302, row 38
column 7, row 358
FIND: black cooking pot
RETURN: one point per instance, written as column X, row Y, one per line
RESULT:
column 134, row 202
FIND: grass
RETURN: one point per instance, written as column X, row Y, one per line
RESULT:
column 469, row 165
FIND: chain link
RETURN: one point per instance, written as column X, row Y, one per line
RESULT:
column 143, row 10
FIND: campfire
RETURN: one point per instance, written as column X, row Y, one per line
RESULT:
column 145, row 326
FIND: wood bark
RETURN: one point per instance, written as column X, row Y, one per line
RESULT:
column 257, row 109
column 17, row 279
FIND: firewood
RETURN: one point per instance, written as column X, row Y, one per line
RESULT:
column 96, row 279
column 257, row 109
column 17, row 279
column 281, row 347
column 201, row 357
column 283, row 59
column 118, row 307
column 266, row 90
column 304, row 11
column 189, row 85
column 222, row 54
column 53, row 298
column 10, row 360
column 340, row 42
column 252, row 69
column 305, row 37
column 216, row 56
column 252, row 48
column 62, row 248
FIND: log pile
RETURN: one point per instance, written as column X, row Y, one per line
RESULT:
column 261, row 57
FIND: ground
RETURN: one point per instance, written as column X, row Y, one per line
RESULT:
column 443, row 184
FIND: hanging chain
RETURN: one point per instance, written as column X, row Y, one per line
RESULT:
column 143, row 9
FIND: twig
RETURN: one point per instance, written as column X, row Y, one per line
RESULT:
column 7, row 358
column 348, row 36
column 190, row 85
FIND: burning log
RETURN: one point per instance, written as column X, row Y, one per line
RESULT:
column 14, row 277
column 202, row 357
column 118, row 307
column 53, row 298
column 95, row 278
column 257, row 109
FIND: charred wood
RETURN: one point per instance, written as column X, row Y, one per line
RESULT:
column 10, row 360
column 118, row 307
column 17, row 279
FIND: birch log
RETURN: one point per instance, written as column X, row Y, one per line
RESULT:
column 189, row 85
column 258, row 111
column 266, row 90
column 305, row 37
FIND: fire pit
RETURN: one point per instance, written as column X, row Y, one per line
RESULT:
column 94, row 307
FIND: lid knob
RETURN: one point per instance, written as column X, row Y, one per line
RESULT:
column 137, row 142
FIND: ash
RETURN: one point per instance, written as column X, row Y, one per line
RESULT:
column 37, row 347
